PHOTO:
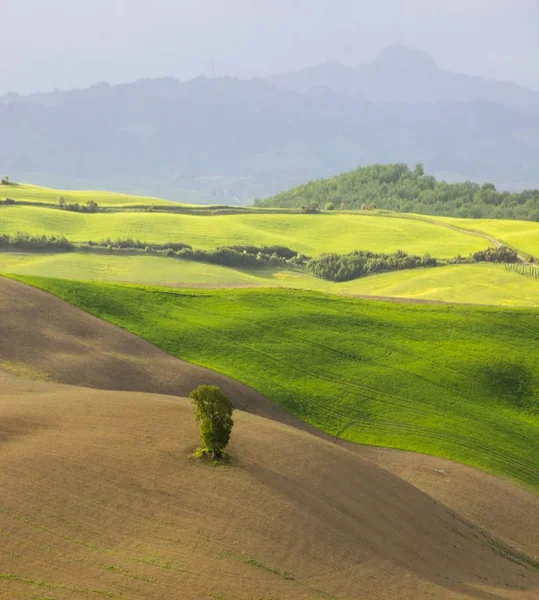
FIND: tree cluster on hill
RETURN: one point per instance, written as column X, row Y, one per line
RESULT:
column 90, row 206
column 397, row 188
column 345, row 267
column 132, row 244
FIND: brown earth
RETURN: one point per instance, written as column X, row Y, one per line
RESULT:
column 101, row 498
column 45, row 338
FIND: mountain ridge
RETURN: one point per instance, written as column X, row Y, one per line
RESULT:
column 370, row 81
column 227, row 140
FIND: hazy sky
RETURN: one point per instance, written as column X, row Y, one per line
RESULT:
column 73, row 43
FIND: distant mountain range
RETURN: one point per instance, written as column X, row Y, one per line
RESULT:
column 228, row 140
column 406, row 75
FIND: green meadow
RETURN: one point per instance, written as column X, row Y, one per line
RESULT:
column 309, row 234
column 34, row 193
column 522, row 235
column 454, row 381
column 470, row 284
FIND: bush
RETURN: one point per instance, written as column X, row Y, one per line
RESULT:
column 329, row 206
column 311, row 208
column 502, row 254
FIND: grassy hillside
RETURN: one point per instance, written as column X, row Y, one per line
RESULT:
column 34, row 193
column 522, row 235
column 93, row 510
column 458, row 382
column 472, row 284
column 310, row 234
column 67, row 345
column 395, row 187
column 469, row 284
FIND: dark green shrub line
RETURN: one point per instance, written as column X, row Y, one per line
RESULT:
column 501, row 254
column 24, row 241
column 345, row 267
column 332, row 267
column 397, row 188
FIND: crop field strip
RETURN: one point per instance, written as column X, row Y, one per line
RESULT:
column 36, row 194
column 488, row 284
column 309, row 234
column 344, row 387
column 521, row 235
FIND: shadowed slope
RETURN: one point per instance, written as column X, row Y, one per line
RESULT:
column 44, row 337
column 100, row 498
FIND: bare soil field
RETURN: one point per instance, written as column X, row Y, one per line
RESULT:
column 101, row 498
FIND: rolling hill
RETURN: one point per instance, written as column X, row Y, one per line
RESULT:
column 331, row 525
column 309, row 234
column 36, row 194
column 152, row 522
column 466, row 284
column 398, row 188
column 457, row 382
column 522, row 235
column 76, row 348
column 228, row 140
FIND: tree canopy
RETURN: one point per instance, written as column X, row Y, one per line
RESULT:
column 397, row 188
column 213, row 412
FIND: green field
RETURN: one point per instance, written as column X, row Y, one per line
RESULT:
column 472, row 284
column 33, row 193
column 522, row 235
column 310, row 234
column 454, row 381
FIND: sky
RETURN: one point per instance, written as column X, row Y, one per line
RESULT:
column 75, row 43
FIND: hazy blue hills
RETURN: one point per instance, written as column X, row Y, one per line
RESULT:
column 228, row 140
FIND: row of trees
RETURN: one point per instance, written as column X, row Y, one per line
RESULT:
column 242, row 257
column 397, row 188
column 89, row 207
column 33, row 243
column 331, row 266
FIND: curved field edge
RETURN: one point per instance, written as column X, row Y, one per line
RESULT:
column 486, row 284
column 42, row 195
column 457, row 382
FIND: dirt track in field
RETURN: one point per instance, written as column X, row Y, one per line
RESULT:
column 45, row 338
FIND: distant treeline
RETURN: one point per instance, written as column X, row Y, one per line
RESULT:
column 333, row 267
column 397, row 188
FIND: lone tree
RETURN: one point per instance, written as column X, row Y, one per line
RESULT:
column 213, row 412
